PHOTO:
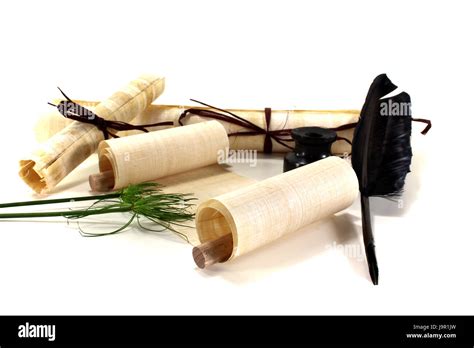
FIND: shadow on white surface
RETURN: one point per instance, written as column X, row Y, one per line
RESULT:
column 310, row 242
column 79, row 177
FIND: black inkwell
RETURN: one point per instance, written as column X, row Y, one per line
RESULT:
column 311, row 144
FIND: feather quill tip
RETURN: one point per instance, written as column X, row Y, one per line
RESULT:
column 372, row 262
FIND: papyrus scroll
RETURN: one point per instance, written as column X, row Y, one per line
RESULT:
column 149, row 156
column 68, row 148
column 260, row 213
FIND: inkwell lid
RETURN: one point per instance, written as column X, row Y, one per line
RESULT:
column 313, row 135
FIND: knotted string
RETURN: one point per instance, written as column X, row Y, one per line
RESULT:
column 76, row 112
column 423, row 120
column 280, row 136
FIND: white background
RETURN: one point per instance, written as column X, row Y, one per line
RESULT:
column 283, row 54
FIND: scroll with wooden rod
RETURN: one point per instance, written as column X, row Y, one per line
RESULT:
column 240, row 221
column 150, row 156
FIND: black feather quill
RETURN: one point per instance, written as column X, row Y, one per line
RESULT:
column 381, row 153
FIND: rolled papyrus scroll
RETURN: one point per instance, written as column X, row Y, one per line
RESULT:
column 50, row 123
column 68, row 148
column 237, row 222
column 150, row 156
